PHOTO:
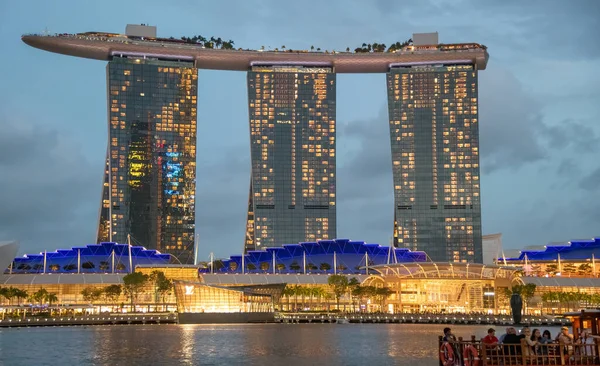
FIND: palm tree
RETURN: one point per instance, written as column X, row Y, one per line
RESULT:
column 51, row 297
column 39, row 295
column 312, row 48
column 20, row 294
column 319, row 293
column 287, row 292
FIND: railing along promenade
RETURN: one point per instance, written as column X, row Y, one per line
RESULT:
column 475, row 352
column 413, row 318
column 109, row 319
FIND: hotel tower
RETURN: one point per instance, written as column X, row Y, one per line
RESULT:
column 434, row 134
column 150, row 177
column 292, row 132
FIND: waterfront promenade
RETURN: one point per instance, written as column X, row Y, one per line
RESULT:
column 288, row 318
column 415, row 318
column 108, row 319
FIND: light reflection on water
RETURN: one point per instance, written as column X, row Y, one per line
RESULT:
column 252, row 344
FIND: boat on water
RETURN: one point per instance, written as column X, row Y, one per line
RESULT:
column 342, row 321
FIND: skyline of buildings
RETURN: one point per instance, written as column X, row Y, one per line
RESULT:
column 149, row 187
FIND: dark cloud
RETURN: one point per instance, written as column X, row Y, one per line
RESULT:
column 577, row 135
column 510, row 121
column 567, row 167
column 591, row 183
column 50, row 193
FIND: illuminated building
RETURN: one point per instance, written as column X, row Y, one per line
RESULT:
column 292, row 195
column 149, row 185
column 292, row 132
column 434, row 133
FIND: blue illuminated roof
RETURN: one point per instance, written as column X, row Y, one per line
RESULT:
column 576, row 250
column 94, row 258
column 350, row 257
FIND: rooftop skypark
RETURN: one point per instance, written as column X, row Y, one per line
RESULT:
column 218, row 54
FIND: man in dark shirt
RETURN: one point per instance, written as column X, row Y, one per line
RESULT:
column 448, row 336
column 512, row 342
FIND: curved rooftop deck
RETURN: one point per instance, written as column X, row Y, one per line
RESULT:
column 104, row 48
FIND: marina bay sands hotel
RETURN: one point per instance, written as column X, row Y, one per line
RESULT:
column 149, row 187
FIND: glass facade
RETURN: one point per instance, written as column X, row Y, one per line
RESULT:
column 435, row 158
column 150, row 183
column 194, row 297
column 293, row 139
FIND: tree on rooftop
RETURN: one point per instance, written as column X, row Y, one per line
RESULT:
column 54, row 267
column 70, row 267
column 325, row 267
column 295, row 266
column 104, row 266
column 251, row 266
column 264, row 266
column 88, row 265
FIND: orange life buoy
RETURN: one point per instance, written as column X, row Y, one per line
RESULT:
column 446, row 354
column 471, row 356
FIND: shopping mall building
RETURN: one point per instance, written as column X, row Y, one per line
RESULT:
column 295, row 277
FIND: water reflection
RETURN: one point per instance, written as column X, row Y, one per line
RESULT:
column 266, row 344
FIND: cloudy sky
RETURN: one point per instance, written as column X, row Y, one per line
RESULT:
column 539, row 121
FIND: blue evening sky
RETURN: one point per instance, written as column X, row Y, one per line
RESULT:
column 538, row 103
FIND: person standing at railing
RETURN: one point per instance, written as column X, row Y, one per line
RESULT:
column 587, row 339
column 490, row 339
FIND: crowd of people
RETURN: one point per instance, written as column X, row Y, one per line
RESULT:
column 536, row 342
